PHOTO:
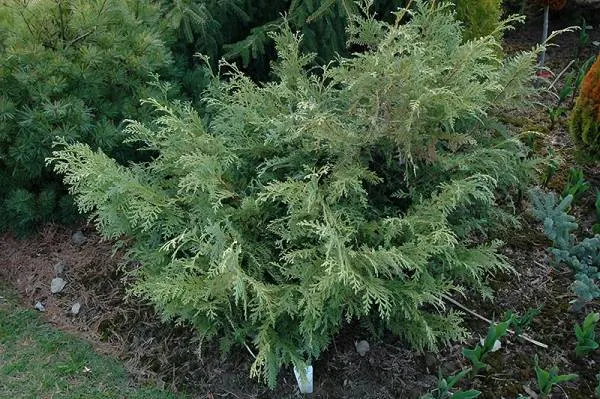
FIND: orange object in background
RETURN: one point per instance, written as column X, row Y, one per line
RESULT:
column 554, row 4
column 584, row 122
column 590, row 89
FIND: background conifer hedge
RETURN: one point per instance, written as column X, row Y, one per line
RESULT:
column 72, row 69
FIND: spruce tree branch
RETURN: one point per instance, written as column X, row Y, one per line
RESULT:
column 101, row 10
column 473, row 313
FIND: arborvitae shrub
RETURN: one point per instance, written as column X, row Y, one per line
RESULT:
column 71, row 69
column 584, row 123
column 481, row 17
column 365, row 190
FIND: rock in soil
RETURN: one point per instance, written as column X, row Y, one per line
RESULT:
column 57, row 285
column 78, row 238
column 75, row 308
column 59, row 269
column 362, row 347
column 39, row 306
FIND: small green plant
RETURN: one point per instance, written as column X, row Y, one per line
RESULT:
column 584, row 38
column 576, row 185
column 481, row 350
column 566, row 93
column 547, row 379
column 575, row 78
column 586, row 335
column 445, row 384
column 520, row 323
column 551, row 168
column 597, row 390
column 555, row 112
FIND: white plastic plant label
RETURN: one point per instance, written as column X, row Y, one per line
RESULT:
column 305, row 384
column 496, row 347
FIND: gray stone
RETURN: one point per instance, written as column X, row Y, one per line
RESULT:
column 78, row 238
column 59, row 269
column 57, row 285
column 39, row 306
column 362, row 347
column 75, row 308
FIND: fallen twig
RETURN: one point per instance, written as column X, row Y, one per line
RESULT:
column 473, row 313
column 560, row 74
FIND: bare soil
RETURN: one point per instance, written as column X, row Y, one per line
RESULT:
column 171, row 355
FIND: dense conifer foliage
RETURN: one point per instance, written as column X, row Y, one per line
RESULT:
column 363, row 190
column 481, row 17
column 72, row 69
column 240, row 30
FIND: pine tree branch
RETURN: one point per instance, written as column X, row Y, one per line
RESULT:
column 80, row 37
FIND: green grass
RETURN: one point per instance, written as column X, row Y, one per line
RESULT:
column 38, row 361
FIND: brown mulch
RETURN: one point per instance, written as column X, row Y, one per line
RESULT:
column 170, row 355
column 89, row 271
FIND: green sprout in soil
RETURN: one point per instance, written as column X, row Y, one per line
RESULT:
column 565, row 95
column 445, row 384
column 551, row 168
column 576, row 185
column 586, row 335
column 479, row 353
column 520, row 323
column 547, row 379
